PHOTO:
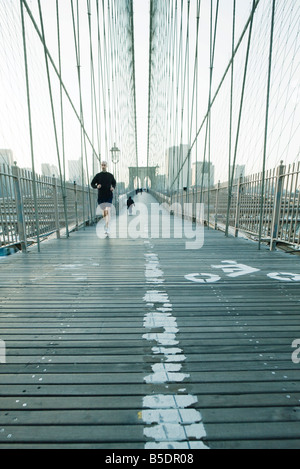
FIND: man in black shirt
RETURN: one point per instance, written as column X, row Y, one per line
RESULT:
column 105, row 183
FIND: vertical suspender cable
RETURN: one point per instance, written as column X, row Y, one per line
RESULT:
column 30, row 128
column 171, row 99
column 176, row 123
column 83, row 139
column 149, row 80
column 249, row 21
column 93, row 84
column 231, row 100
column 266, row 125
column 240, row 115
column 168, row 86
column 53, row 113
column 25, row 4
column 208, row 115
column 64, row 194
column 208, row 122
column 212, row 65
column 188, row 182
column 184, row 72
column 134, row 83
column 195, row 91
column 172, row 91
column 80, row 104
column 101, row 74
column 108, row 67
column 113, row 63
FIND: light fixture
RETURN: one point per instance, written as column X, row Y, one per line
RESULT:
column 115, row 154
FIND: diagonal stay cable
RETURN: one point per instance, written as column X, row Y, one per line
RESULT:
column 266, row 125
column 83, row 136
column 30, row 128
column 256, row 2
column 24, row 2
column 230, row 183
column 53, row 117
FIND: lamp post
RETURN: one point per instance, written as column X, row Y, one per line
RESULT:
column 115, row 155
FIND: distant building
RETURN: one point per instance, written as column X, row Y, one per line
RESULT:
column 6, row 157
column 6, row 184
column 49, row 170
column 75, row 171
column 203, row 174
column 96, row 164
column 177, row 164
column 161, row 182
column 120, row 187
column 239, row 171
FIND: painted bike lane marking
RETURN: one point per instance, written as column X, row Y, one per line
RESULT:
column 234, row 269
column 169, row 420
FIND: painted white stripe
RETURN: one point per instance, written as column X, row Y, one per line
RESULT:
column 171, row 423
column 176, row 445
column 175, row 431
column 165, row 401
column 155, row 296
column 166, row 372
column 185, row 416
column 162, row 339
column 168, row 351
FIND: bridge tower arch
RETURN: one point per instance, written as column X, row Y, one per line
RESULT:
column 146, row 176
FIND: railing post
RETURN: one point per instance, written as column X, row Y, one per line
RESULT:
column 194, row 213
column 19, row 208
column 277, row 205
column 238, row 205
column 76, row 206
column 55, row 203
column 217, row 205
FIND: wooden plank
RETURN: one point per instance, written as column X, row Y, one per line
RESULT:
column 129, row 376
column 77, row 359
column 140, row 389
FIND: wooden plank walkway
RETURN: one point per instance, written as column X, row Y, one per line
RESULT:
column 118, row 344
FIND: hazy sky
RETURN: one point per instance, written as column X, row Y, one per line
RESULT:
column 284, row 116
column 141, row 22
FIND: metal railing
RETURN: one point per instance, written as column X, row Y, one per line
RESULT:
column 272, row 217
column 32, row 208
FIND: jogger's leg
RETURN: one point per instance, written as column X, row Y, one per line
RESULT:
column 106, row 217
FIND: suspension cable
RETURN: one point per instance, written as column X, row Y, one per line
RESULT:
column 29, row 12
column 266, row 126
column 256, row 3
column 30, row 128
column 53, row 117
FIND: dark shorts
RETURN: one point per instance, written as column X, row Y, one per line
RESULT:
column 105, row 202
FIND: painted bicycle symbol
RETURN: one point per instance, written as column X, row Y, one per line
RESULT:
column 234, row 269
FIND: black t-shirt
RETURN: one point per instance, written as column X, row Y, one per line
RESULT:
column 107, row 181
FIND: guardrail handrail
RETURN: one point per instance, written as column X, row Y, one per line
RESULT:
column 17, row 209
column 280, row 207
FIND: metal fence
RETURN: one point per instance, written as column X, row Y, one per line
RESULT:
column 34, row 207
column 265, row 207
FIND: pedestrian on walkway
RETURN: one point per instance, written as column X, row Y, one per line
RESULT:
column 130, row 203
column 105, row 183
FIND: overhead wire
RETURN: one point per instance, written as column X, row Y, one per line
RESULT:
column 230, row 182
column 219, row 86
column 266, row 126
column 34, row 185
